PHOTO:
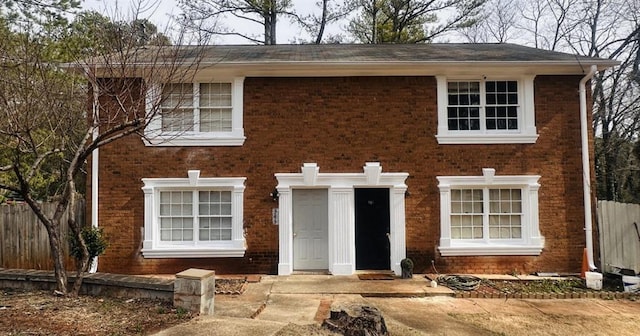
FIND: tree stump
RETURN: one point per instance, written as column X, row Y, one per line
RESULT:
column 360, row 321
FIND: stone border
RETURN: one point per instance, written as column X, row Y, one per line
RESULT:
column 116, row 285
column 606, row 295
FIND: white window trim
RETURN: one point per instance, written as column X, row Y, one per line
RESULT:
column 155, row 137
column 526, row 132
column 154, row 248
column 531, row 242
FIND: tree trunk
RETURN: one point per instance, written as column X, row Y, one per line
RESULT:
column 57, row 256
column 82, row 264
column 323, row 22
column 55, row 243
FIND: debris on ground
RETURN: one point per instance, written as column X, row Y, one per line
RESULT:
column 26, row 311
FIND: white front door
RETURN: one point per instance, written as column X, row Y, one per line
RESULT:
column 310, row 229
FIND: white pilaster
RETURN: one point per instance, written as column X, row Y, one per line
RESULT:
column 398, row 232
column 148, row 218
column 445, row 210
column 237, row 210
column 342, row 230
column 285, row 231
column 534, row 219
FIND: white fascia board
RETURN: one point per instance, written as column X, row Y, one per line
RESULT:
column 331, row 69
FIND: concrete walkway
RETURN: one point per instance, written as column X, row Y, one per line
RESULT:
column 276, row 304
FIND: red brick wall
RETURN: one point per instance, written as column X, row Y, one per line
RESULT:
column 341, row 123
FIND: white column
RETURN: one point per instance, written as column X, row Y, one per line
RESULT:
column 342, row 258
column 397, row 238
column 285, row 231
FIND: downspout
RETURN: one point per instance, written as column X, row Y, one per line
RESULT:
column 94, row 172
column 586, row 169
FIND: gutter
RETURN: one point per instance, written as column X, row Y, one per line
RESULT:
column 586, row 171
column 94, row 173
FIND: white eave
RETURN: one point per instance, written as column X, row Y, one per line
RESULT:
column 332, row 69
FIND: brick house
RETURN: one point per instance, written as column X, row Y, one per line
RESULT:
column 341, row 158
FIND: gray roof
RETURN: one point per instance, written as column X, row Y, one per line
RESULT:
column 354, row 59
column 375, row 53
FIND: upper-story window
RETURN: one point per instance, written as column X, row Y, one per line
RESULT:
column 485, row 111
column 196, row 114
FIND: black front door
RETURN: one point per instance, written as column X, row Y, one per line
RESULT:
column 372, row 229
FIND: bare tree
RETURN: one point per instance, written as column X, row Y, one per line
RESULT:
column 207, row 15
column 44, row 122
column 330, row 11
column 497, row 23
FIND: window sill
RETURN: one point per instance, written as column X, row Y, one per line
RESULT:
column 193, row 253
column 451, row 139
column 193, row 140
column 490, row 250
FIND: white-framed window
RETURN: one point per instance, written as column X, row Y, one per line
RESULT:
column 481, row 110
column 193, row 217
column 489, row 215
column 196, row 114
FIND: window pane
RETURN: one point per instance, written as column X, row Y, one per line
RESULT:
column 204, row 234
column 225, row 209
column 456, row 233
column 225, row 234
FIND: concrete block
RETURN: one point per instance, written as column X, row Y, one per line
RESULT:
column 194, row 290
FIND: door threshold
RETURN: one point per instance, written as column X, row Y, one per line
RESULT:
column 364, row 271
column 311, row 272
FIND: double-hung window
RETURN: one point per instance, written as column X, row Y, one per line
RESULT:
column 193, row 217
column 195, row 114
column 489, row 215
column 485, row 111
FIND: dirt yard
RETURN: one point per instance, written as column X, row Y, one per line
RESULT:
column 42, row 313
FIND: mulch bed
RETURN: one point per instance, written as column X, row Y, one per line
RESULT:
column 540, row 289
column 231, row 286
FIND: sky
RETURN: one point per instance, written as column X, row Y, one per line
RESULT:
column 160, row 13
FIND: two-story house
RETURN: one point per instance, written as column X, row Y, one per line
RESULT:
column 336, row 158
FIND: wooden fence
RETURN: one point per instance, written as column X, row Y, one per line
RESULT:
column 619, row 227
column 24, row 242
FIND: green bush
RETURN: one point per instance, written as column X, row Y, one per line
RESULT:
column 94, row 238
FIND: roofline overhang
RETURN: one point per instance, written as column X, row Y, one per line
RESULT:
column 396, row 68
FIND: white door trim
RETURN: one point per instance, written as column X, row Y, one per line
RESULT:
column 341, row 213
